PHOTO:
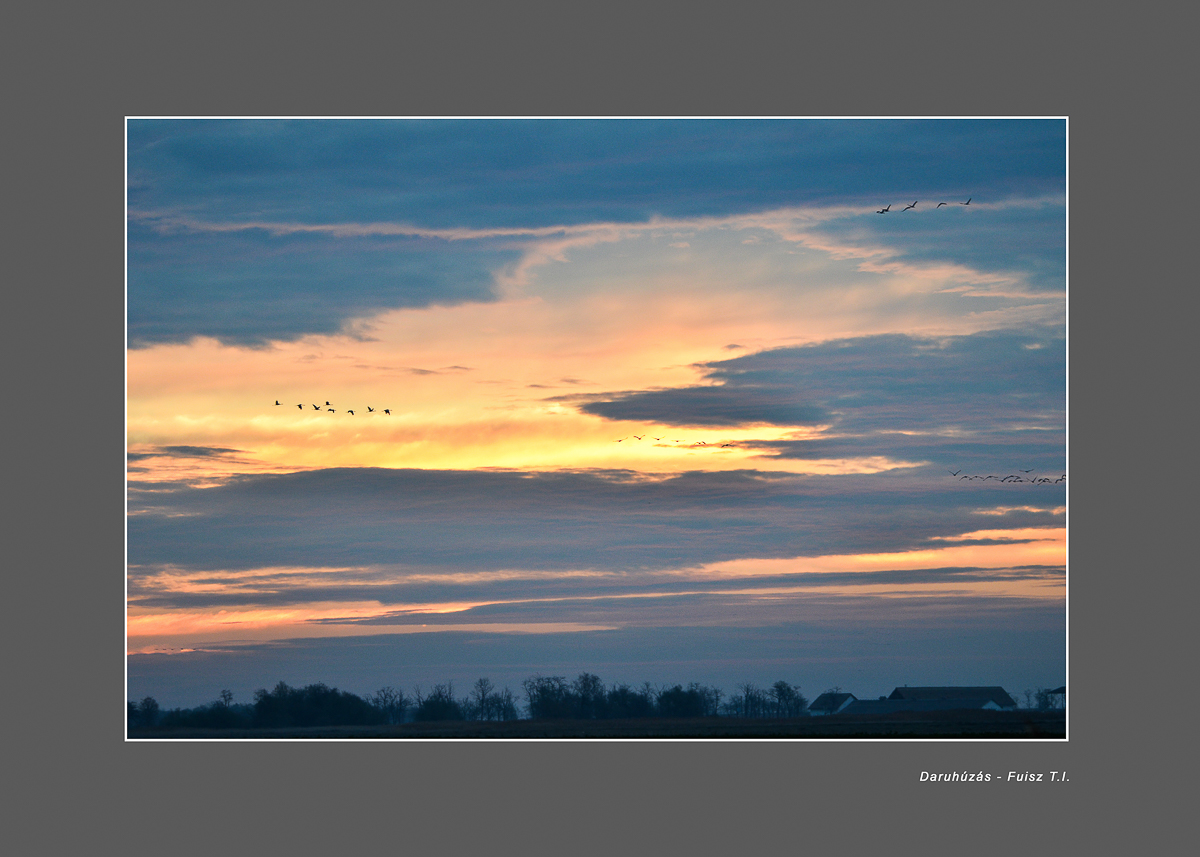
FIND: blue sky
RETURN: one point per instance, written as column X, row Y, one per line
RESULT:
column 667, row 400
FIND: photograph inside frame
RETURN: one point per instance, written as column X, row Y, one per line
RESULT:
column 596, row 428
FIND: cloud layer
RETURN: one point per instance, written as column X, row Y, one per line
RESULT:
column 993, row 399
column 249, row 231
column 560, row 520
column 665, row 397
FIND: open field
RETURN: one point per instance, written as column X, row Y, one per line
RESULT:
column 908, row 724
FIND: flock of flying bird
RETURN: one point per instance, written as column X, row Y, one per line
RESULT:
column 388, row 411
column 914, row 205
column 664, row 437
column 1013, row 477
column 370, row 410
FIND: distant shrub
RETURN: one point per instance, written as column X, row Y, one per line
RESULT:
column 314, row 705
column 217, row 715
column 549, row 698
column 624, row 703
column 439, row 705
column 677, row 702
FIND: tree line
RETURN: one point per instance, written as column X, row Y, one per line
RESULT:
column 545, row 698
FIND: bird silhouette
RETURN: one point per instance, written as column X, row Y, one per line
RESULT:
column 327, row 403
column 332, row 411
column 351, row 413
column 884, row 210
column 386, row 411
column 316, row 407
column 968, row 202
column 301, row 407
column 277, row 401
column 954, row 472
column 370, row 410
column 907, row 207
column 939, row 205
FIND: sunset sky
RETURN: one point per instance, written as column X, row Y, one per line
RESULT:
column 670, row 401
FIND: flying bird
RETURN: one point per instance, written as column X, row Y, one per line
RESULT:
column 332, row 411
column 955, row 472
column 351, row 413
column 316, row 407
column 327, row 403
column 277, row 401
column 386, row 411
column 301, row 407
column 907, row 207
column 968, row 202
column 939, row 205
column 884, row 210
column 370, row 410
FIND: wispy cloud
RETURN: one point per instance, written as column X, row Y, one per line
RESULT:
column 839, row 232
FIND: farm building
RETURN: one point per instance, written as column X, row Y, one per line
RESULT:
column 830, row 703
column 889, row 706
column 997, row 696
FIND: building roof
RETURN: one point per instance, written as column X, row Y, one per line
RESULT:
column 829, row 701
column 996, row 694
column 887, row 706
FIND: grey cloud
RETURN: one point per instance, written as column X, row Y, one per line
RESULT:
column 248, row 288
column 569, row 520
column 888, row 381
column 184, row 452
column 732, row 405
column 990, row 400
